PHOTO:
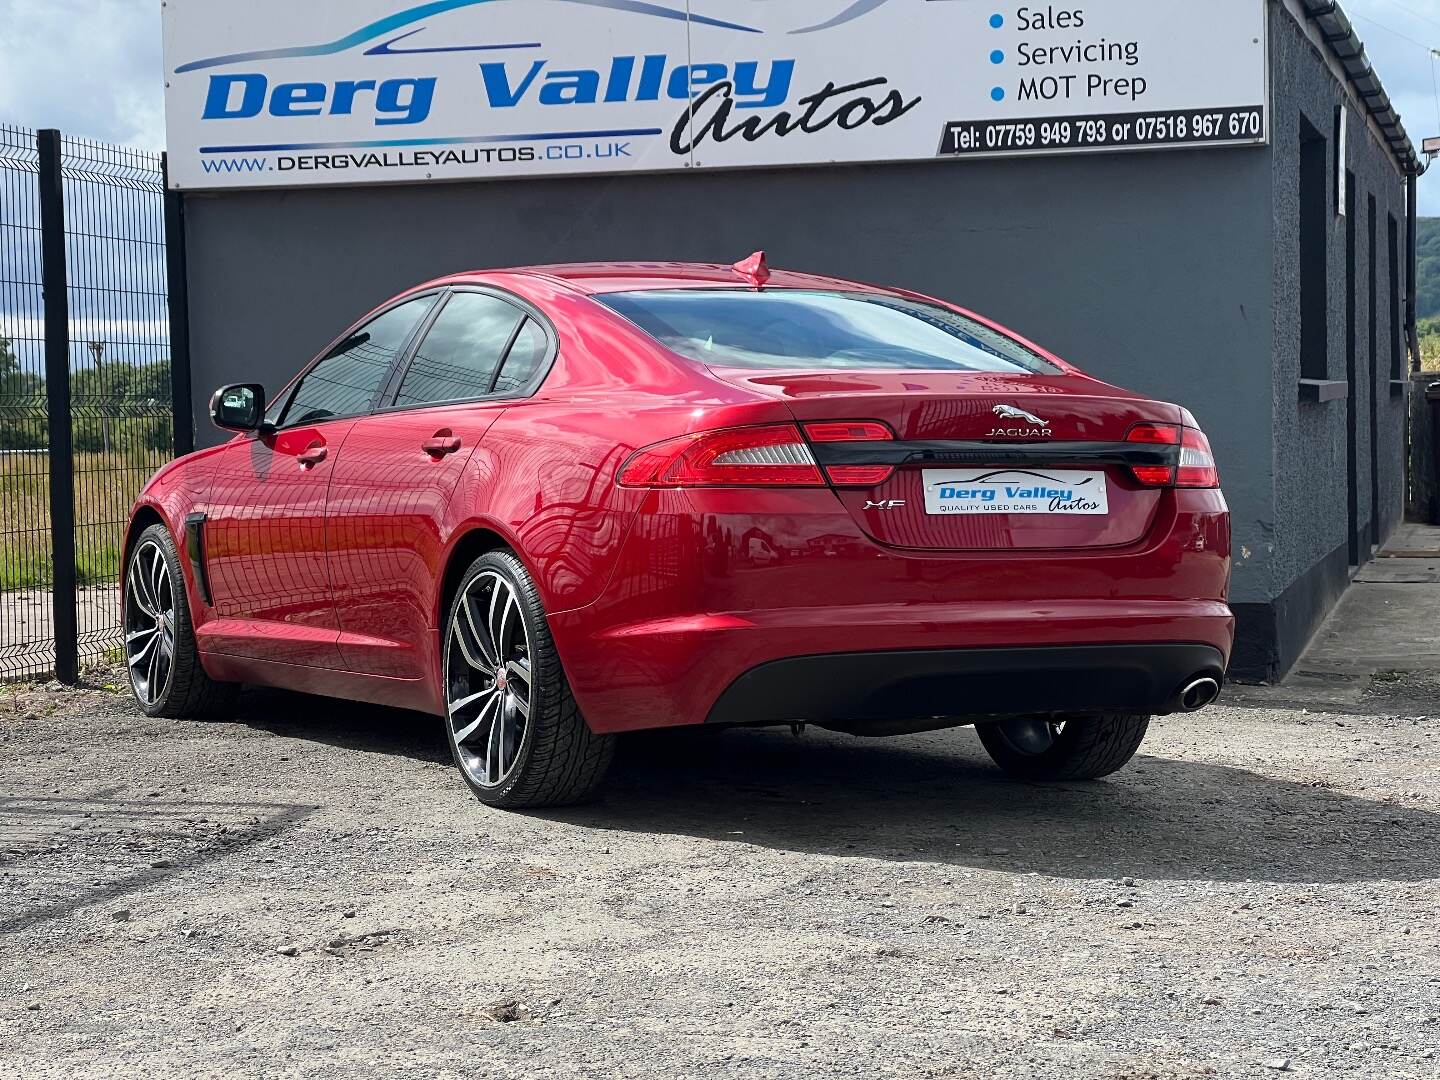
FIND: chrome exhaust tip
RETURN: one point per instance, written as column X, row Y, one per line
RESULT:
column 1197, row 693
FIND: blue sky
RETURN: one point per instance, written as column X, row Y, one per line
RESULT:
column 92, row 68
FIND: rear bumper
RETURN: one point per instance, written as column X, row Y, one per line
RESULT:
column 676, row 671
column 708, row 589
column 955, row 683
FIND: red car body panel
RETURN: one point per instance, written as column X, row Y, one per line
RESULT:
column 330, row 577
column 266, row 556
column 386, row 508
column 696, row 600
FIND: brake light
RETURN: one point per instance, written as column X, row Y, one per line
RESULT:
column 772, row 455
column 1154, row 475
column 1196, row 466
column 1155, row 434
column 1197, row 462
column 833, row 431
column 853, row 431
column 859, row 475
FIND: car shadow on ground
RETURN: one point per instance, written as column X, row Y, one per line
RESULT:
column 936, row 798
column 351, row 725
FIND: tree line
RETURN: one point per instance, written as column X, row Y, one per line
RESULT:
column 1427, row 268
column 115, row 406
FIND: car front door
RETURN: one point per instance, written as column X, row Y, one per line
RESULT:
column 401, row 466
column 264, row 525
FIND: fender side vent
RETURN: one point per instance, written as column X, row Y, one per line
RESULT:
column 195, row 552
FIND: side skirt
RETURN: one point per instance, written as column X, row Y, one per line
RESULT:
column 419, row 695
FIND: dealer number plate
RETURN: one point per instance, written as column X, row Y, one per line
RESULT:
column 1018, row 491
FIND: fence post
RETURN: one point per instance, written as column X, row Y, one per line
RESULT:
column 57, row 397
column 177, row 289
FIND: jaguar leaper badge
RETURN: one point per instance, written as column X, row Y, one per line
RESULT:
column 1038, row 429
column 1010, row 412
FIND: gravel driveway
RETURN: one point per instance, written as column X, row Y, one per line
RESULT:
column 312, row 892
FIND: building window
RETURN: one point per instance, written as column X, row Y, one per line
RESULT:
column 1314, row 276
column 1397, row 353
column 1372, row 369
column 1352, row 331
column 1374, row 296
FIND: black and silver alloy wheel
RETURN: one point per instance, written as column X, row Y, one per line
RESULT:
column 160, row 650
column 149, row 623
column 1083, row 747
column 488, row 680
column 513, row 726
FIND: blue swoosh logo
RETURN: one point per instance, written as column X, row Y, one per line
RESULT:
column 387, row 48
column 409, row 16
column 854, row 11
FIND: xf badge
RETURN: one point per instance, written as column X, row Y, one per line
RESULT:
column 888, row 504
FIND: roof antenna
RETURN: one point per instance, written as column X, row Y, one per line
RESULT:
column 753, row 269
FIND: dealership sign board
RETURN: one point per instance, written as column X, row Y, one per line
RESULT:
column 275, row 93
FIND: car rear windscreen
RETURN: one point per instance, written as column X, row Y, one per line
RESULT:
column 803, row 328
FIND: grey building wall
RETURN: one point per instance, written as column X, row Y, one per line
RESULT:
column 1167, row 272
column 1306, row 537
column 1151, row 270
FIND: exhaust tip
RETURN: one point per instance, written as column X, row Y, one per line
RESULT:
column 1198, row 693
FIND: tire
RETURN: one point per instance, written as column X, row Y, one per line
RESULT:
column 1072, row 748
column 514, row 729
column 161, row 657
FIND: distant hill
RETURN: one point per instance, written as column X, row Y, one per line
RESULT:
column 1427, row 274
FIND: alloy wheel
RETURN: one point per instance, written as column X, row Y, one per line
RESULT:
column 149, row 623
column 488, row 682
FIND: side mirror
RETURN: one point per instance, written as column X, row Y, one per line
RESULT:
column 239, row 408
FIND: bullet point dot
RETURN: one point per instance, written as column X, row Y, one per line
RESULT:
column 998, row 94
column 997, row 57
column 997, row 21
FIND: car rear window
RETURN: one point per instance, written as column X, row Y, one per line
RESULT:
column 803, row 328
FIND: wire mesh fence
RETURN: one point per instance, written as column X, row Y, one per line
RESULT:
column 25, row 570
column 119, row 361
column 114, row 352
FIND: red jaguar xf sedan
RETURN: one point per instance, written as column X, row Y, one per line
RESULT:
column 560, row 503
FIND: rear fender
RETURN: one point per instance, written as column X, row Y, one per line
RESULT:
column 545, row 479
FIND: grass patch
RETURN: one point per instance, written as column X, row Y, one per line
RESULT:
column 1428, row 332
column 105, row 488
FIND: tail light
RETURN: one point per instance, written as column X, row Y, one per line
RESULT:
column 1195, row 466
column 853, row 431
column 772, row 455
column 1197, row 461
column 769, row 455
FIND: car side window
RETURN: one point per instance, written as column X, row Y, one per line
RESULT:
column 524, row 357
column 458, row 357
column 346, row 381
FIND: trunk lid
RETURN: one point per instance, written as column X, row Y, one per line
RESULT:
column 995, row 461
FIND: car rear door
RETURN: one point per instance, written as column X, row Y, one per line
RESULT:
column 401, row 466
column 264, row 523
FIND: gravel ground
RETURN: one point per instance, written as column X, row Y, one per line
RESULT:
column 312, row 892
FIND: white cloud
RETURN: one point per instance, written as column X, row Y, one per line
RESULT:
column 138, row 333
column 91, row 68
column 1398, row 37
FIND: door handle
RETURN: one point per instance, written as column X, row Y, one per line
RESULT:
column 311, row 455
column 441, row 445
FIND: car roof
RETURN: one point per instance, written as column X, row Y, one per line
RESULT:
column 608, row 277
